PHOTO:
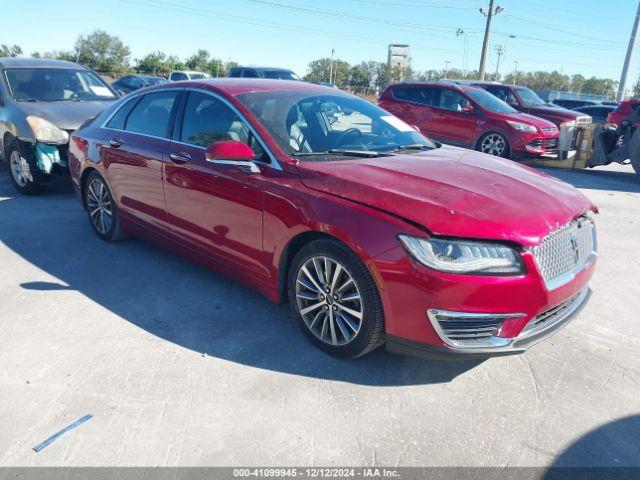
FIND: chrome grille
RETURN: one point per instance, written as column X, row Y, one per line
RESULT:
column 549, row 129
column 565, row 248
column 552, row 315
column 583, row 120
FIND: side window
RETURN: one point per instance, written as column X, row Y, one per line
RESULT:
column 208, row 120
column 151, row 115
column 120, row 117
column 422, row 95
column 452, row 100
column 178, row 76
column 503, row 94
column 235, row 73
column 247, row 73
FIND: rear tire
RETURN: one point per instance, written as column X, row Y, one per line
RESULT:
column 335, row 299
column 20, row 171
column 634, row 151
column 101, row 209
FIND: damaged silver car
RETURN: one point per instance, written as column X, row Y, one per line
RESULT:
column 41, row 103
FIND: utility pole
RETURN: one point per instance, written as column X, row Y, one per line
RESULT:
column 500, row 52
column 487, row 33
column 627, row 60
column 446, row 68
column 515, row 78
column 333, row 51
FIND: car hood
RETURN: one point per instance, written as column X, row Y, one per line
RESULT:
column 454, row 192
column 68, row 115
column 557, row 113
column 527, row 118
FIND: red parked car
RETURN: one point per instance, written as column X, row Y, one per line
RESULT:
column 368, row 229
column 624, row 110
column 526, row 100
column 470, row 117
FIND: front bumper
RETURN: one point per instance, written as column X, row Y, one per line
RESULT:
column 45, row 159
column 535, row 144
column 503, row 346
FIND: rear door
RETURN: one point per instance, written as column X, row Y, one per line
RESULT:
column 414, row 105
column 133, row 151
column 452, row 124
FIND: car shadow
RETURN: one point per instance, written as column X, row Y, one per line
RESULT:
column 610, row 451
column 182, row 302
column 597, row 179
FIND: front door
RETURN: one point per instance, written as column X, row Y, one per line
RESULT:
column 215, row 208
column 453, row 124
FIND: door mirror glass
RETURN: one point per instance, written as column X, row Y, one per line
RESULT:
column 230, row 150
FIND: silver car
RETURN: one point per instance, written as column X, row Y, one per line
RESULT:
column 41, row 103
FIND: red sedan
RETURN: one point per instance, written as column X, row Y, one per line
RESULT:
column 468, row 116
column 369, row 230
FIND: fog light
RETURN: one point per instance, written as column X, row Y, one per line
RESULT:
column 470, row 330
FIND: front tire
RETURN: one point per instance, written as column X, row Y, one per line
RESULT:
column 494, row 143
column 20, row 171
column 335, row 299
column 102, row 210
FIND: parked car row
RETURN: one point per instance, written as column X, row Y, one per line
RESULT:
column 371, row 231
column 490, row 117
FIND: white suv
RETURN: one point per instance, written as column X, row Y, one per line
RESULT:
column 178, row 75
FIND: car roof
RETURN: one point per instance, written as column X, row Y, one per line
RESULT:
column 238, row 86
column 440, row 83
column 25, row 62
column 272, row 69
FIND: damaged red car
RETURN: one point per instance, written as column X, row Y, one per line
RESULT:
column 372, row 232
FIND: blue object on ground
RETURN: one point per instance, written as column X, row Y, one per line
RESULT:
column 55, row 436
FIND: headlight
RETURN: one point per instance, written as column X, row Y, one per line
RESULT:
column 460, row 256
column 523, row 127
column 45, row 131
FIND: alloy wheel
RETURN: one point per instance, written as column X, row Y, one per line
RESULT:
column 493, row 144
column 99, row 206
column 20, row 169
column 329, row 300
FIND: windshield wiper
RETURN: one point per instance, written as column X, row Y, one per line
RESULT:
column 350, row 153
column 413, row 146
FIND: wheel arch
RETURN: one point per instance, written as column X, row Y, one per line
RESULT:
column 83, row 181
column 291, row 249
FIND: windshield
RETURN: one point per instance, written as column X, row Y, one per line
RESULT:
column 305, row 123
column 279, row 75
column 56, row 84
column 197, row 76
column 529, row 97
column 154, row 80
column 490, row 102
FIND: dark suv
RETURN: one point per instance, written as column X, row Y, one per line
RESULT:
column 263, row 72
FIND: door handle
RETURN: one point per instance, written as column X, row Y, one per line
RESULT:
column 181, row 157
column 115, row 143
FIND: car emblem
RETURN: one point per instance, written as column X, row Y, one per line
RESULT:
column 574, row 246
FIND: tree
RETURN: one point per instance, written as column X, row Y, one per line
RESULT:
column 10, row 50
column 320, row 71
column 199, row 60
column 360, row 77
column 102, row 52
column 157, row 63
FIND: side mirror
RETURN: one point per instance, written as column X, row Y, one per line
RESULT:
column 466, row 108
column 232, row 152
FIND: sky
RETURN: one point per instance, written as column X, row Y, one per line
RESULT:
column 573, row 36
